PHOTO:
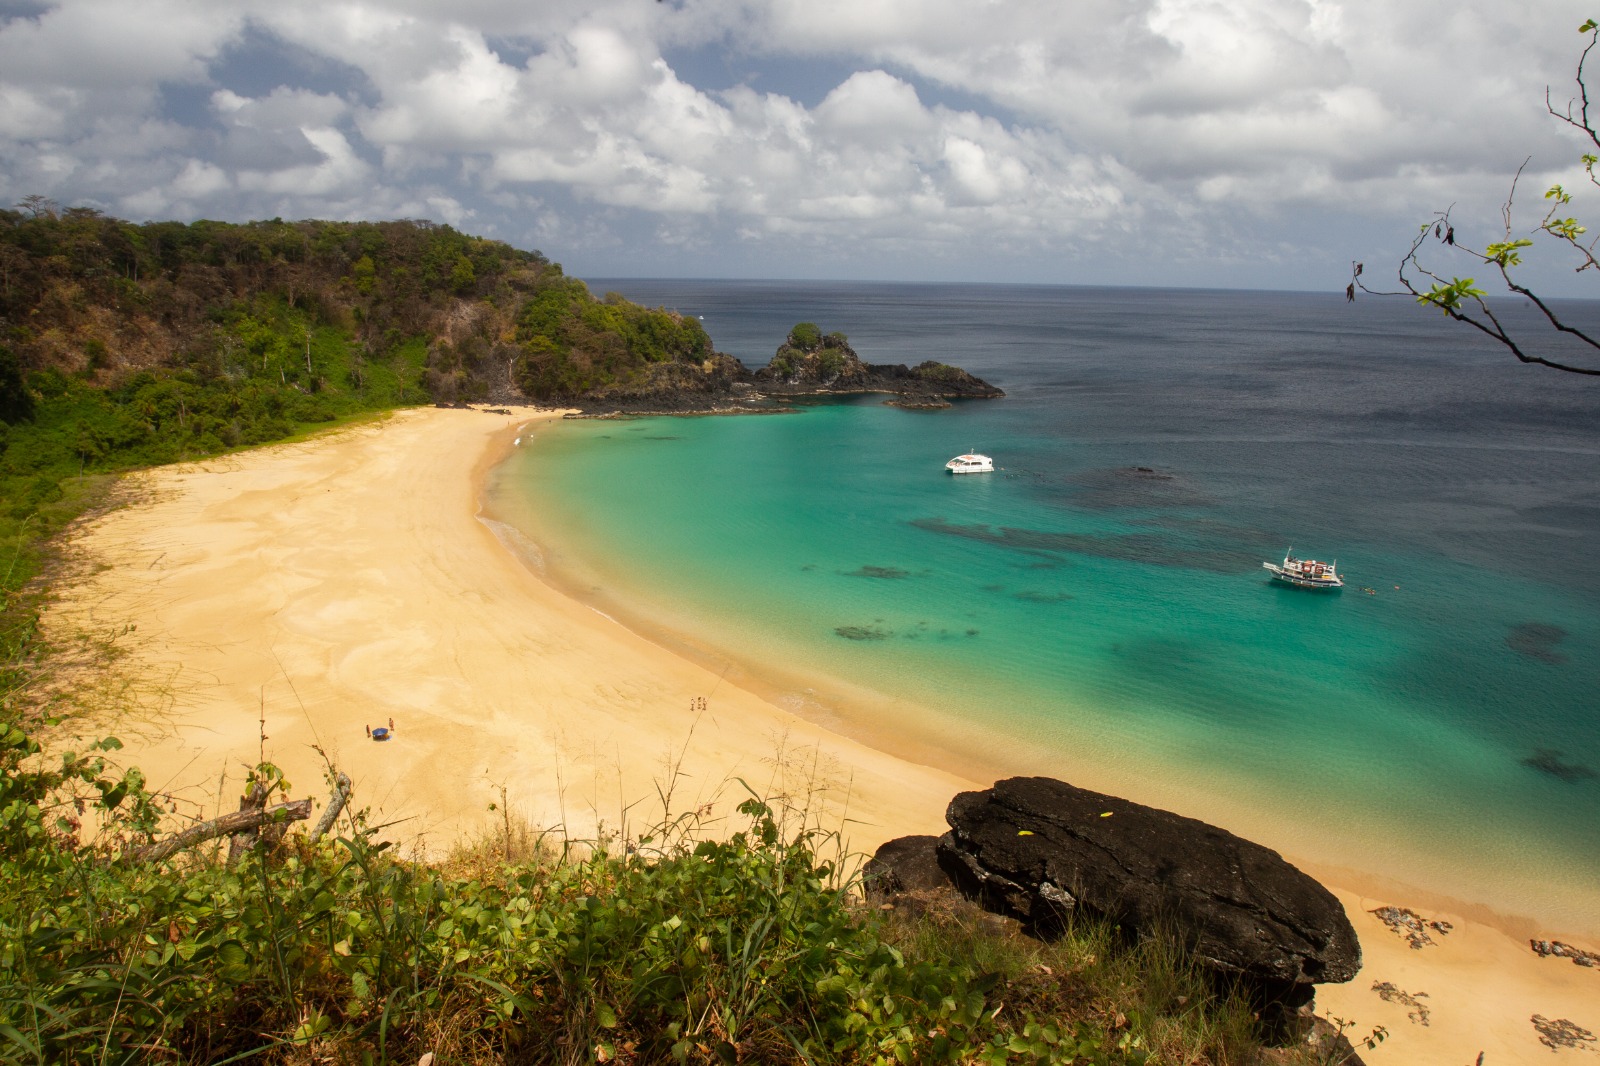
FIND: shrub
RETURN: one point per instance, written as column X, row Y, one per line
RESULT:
column 805, row 336
column 749, row 949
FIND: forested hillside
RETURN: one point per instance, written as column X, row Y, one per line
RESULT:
column 126, row 345
column 192, row 338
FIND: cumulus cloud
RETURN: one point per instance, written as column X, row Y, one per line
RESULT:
column 114, row 44
column 1001, row 137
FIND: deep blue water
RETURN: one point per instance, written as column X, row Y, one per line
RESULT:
column 1074, row 612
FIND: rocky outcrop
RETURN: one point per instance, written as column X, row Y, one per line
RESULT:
column 1042, row 850
column 1542, row 948
column 905, row 865
column 808, row 364
column 717, row 384
column 906, row 875
column 921, row 876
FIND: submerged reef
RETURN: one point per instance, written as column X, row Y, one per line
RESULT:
column 1552, row 762
column 863, row 632
column 1537, row 640
column 889, row 573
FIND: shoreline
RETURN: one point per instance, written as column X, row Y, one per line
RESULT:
column 319, row 584
column 327, row 585
column 941, row 735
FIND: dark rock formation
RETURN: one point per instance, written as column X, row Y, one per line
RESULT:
column 905, row 875
column 906, row 864
column 807, row 365
column 1556, row 1033
column 1542, row 948
column 718, row 384
column 1042, row 849
column 1410, row 926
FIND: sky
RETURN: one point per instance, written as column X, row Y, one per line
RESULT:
column 1211, row 143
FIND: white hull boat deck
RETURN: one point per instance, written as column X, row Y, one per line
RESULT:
column 970, row 464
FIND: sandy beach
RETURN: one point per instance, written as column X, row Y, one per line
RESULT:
column 306, row 592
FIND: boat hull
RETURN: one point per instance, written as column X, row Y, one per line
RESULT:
column 970, row 464
column 1302, row 583
column 1319, row 584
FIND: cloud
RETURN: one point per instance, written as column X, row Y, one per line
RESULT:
column 1026, row 137
column 872, row 104
column 114, row 44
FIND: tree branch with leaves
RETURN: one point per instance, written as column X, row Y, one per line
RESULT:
column 1461, row 298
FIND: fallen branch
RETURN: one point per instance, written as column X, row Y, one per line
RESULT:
column 336, row 802
column 254, row 800
column 237, row 822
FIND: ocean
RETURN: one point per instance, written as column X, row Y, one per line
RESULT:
column 1096, row 609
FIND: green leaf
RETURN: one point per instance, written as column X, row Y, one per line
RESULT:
column 1448, row 297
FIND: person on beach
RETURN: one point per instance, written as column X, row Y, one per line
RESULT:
column 391, row 725
column 369, row 732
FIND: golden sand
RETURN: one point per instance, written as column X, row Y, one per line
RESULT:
column 310, row 591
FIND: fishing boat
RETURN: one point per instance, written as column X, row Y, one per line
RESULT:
column 1306, row 573
column 970, row 464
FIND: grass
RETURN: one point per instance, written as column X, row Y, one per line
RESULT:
column 1148, row 995
column 685, row 943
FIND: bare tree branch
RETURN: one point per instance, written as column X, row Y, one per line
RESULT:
column 237, row 822
column 336, row 802
column 1460, row 299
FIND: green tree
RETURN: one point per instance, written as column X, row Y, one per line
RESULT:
column 805, row 336
column 462, row 276
column 1464, row 300
column 365, row 272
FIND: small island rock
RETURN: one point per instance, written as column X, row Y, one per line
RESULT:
column 810, row 362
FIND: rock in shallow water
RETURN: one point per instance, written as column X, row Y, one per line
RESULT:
column 1042, row 849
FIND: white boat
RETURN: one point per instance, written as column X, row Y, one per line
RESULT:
column 1306, row 573
column 970, row 464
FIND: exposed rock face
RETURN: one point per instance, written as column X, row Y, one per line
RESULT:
column 1041, row 849
column 719, row 383
column 905, row 864
column 905, row 875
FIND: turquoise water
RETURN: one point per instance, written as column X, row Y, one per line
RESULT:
column 1076, row 616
